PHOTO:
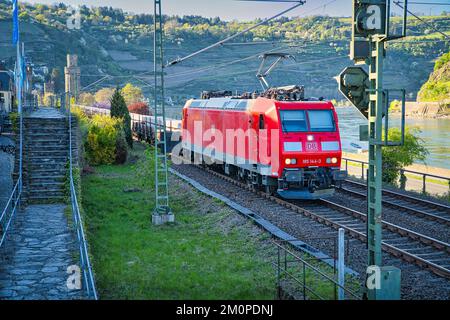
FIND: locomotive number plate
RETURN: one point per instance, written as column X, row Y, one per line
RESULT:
column 312, row 146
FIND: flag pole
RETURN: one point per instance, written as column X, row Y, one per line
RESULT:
column 19, row 76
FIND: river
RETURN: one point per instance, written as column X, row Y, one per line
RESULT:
column 434, row 132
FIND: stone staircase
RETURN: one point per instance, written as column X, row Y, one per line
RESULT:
column 46, row 156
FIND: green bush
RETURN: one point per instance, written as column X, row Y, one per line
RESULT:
column 103, row 138
column 14, row 117
column 121, row 148
column 398, row 157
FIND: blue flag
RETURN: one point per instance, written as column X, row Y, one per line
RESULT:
column 15, row 16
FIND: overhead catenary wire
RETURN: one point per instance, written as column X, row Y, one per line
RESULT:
column 300, row 3
column 425, row 22
column 255, row 70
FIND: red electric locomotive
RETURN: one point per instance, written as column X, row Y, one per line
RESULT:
column 278, row 140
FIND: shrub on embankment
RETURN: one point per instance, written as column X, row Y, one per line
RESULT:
column 103, row 139
column 399, row 157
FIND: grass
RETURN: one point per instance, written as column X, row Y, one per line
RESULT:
column 211, row 252
column 202, row 256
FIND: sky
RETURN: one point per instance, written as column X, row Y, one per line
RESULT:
column 240, row 10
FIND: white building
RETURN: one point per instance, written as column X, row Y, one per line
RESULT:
column 6, row 91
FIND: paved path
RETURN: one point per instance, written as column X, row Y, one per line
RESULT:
column 35, row 257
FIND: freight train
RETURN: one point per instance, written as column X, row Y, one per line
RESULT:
column 277, row 141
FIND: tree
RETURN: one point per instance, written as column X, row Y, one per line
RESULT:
column 132, row 94
column 87, row 99
column 104, row 94
column 119, row 110
column 56, row 78
column 139, row 108
column 398, row 157
column 49, row 99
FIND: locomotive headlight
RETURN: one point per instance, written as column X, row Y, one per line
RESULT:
column 334, row 160
column 328, row 160
column 290, row 161
column 310, row 138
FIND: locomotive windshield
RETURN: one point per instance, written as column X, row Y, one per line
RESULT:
column 294, row 121
column 321, row 121
column 307, row 121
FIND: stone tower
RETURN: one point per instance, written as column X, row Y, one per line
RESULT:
column 72, row 76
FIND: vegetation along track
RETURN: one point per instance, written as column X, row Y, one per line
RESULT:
column 427, row 209
column 412, row 247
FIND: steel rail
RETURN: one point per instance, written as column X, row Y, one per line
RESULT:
column 392, row 227
column 408, row 198
column 396, row 252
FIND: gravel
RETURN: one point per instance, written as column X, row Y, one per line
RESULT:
column 417, row 283
column 406, row 220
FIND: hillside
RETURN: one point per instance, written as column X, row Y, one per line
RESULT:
column 437, row 88
column 119, row 44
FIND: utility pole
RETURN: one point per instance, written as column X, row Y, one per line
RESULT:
column 370, row 33
column 162, row 213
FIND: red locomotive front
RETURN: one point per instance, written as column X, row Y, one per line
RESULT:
column 288, row 147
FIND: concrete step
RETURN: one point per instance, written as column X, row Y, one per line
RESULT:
column 50, row 147
column 46, row 136
column 51, row 142
column 44, row 160
column 48, row 173
column 45, row 198
column 40, row 179
column 49, row 153
column 50, row 167
column 47, row 186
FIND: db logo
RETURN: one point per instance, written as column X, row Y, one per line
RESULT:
column 312, row 146
column 74, row 20
column 74, row 279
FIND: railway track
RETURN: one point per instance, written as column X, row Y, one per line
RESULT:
column 430, row 210
column 412, row 247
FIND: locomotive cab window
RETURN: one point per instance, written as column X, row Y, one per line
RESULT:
column 321, row 121
column 293, row 121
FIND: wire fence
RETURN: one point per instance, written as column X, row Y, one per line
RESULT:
column 301, row 277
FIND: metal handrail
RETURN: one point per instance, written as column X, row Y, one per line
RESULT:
column 402, row 172
column 13, row 199
column 86, row 266
column 306, row 265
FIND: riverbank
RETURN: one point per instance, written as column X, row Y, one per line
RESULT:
column 426, row 110
column 435, row 134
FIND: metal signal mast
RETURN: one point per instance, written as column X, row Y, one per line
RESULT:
column 370, row 33
column 162, row 213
